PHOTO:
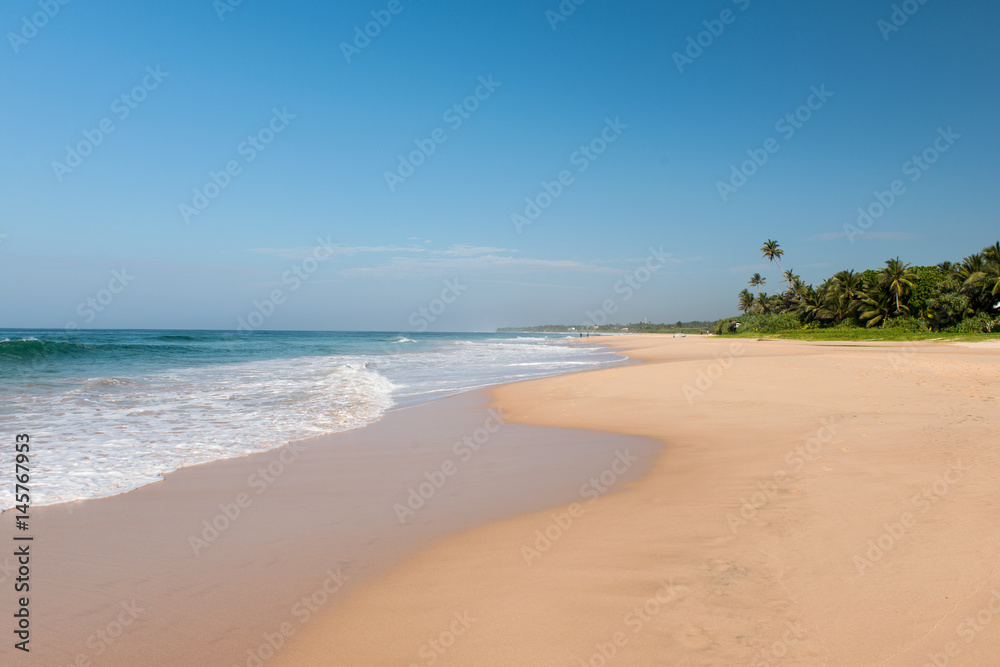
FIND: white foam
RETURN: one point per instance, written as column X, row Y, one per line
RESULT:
column 112, row 434
column 99, row 436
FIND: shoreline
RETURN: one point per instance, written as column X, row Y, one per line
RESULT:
column 749, row 542
column 227, row 553
column 409, row 402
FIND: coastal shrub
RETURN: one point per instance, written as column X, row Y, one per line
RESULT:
column 981, row 323
column 906, row 323
column 726, row 326
column 758, row 323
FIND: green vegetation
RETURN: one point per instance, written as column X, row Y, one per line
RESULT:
column 895, row 302
column 639, row 327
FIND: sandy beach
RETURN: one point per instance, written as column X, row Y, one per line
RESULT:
column 726, row 501
column 816, row 503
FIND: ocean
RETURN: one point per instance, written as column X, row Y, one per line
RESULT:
column 110, row 411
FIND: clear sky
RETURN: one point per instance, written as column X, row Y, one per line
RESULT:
column 114, row 114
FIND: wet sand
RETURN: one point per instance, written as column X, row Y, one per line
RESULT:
column 222, row 562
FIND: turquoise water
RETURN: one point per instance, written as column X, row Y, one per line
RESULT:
column 112, row 410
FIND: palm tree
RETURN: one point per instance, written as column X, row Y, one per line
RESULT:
column 792, row 281
column 843, row 294
column 992, row 253
column 971, row 265
column 758, row 281
column 762, row 303
column 849, row 283
column 899, row 278
column 983, row 271
column 772, row 252
column 838, row 303
column 799, row 286
column 746, row 301
column 811, row 304
column 991, row 279
column 879, row 304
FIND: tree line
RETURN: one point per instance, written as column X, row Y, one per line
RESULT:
column 951, row 296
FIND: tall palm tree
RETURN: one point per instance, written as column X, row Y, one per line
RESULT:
column 899, row 278
column 758, row 281
column 772, row 252
column 746, row 301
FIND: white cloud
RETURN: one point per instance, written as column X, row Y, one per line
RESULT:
column 413, row 267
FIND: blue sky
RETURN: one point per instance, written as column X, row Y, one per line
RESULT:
column 553, row 86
